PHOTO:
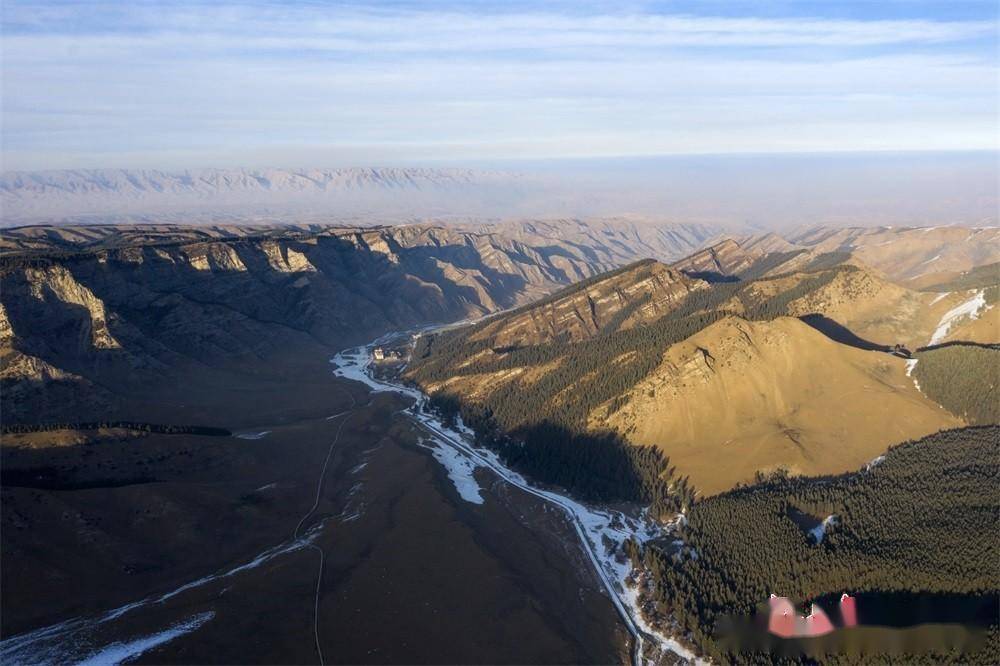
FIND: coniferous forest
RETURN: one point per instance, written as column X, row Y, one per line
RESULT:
column 162, row 429
column 979, row 277
column 549, row 438
column 962, row 377
column 922, row 521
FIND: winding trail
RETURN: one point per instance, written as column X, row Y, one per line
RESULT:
column 319, row 491
column 319, row 583
column 322, row 476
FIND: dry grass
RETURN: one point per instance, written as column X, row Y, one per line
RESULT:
column 742, row 396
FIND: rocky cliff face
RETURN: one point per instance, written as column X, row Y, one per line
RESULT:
column 641, row 293
column 55, row 283
column 724, row 259
column 125, row 311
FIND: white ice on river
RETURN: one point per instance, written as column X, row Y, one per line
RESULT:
column 460, row 470
column 602, row 531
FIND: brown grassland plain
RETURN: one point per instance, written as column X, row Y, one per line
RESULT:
column 412, row 573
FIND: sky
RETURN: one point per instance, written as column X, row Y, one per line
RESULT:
column 214, row 84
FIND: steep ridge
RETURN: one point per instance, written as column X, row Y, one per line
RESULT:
column 608, row 242
column 725, row 259
column 767, row 243
column 740, row 397
column 50, row 239
column 151, row 311
column 618, row 239
column 732, row 259
column 637, row 294
column 915, row 256
column 29, row 380
column 521, row 376
column 862, row 306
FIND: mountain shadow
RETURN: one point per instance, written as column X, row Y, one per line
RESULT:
column 840, row 333
column 712, row 277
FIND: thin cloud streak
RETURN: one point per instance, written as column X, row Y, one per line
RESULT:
column 82, row 83
column 265, row 31
column 335, row 29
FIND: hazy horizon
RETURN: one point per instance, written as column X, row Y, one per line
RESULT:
column 753, row 191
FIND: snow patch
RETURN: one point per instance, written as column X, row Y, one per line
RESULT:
column 253, row 435
column 819, row 531
column 117, row 653
column 875, row 462
column 969, row 308
column 464, row 429
column 267, row 555
column 64, row 641
column 911, row 363
column 939, row 297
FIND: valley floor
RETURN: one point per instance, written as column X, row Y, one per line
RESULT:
column 202, row 563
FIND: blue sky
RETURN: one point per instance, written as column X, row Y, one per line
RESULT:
column 188, row 84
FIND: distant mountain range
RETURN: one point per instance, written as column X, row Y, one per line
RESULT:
column 215, row 182
column 244, row 194
column 752, row 194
